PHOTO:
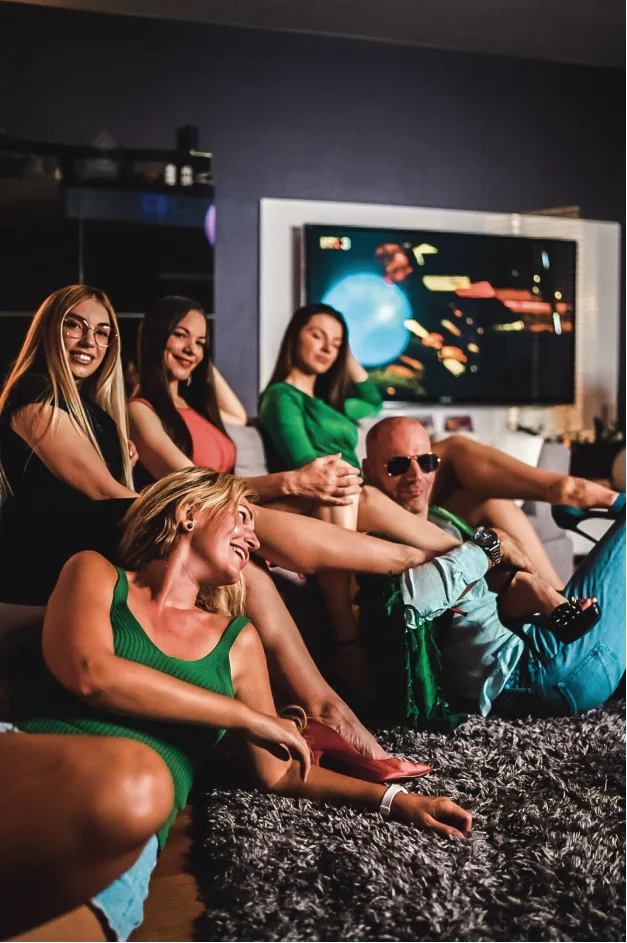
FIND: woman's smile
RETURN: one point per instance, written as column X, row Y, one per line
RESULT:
column 81, row 356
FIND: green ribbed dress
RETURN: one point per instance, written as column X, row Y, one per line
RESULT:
column 47, row 707
column 298, row 428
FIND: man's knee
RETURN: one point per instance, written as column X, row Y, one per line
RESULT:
column 132, row 794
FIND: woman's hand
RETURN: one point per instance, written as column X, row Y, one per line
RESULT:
column 356, row 373
column 263, row 729
column 329, row 479
column 437, row 813
column 133, row 454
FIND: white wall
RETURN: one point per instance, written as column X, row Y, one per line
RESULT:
column 597, row 313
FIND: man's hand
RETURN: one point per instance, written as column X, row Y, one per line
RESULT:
column 512, row 552
column 329, row 479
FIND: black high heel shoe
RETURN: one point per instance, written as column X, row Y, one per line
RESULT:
column 568, row 621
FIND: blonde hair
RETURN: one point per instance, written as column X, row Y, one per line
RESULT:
column 152, row 525
column 44, row 344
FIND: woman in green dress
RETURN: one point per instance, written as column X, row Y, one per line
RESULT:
column 159, row 652
column 316, row 397
column 311, row 408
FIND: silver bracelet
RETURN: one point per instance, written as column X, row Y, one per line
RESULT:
column 385, row 809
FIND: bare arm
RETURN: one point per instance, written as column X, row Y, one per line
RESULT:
column 356, row 373
column 157, row 451
column 66, row 452
column 252, row 685
column 329, row 479
column 79, row 651
column 231, row 410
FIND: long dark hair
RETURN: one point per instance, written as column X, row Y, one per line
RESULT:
column 153, row 382
column 330, row 386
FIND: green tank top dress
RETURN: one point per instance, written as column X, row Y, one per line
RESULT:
column 47, row 707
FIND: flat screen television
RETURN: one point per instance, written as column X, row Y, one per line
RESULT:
column 443, row 317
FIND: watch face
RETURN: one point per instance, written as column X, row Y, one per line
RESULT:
column 486, row 539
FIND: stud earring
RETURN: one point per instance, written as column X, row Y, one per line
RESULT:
column 189, row 525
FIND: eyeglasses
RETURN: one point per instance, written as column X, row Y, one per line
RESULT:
column 76, row 327
column 400, row 464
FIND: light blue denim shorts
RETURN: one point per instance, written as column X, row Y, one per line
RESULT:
column 121, row 905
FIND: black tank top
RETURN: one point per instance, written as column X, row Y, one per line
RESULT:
column 44, row 520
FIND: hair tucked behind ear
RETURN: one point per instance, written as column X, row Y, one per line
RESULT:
column 330, row 386
column 152, row 526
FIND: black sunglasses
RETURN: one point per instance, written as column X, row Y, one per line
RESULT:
column 400, row 464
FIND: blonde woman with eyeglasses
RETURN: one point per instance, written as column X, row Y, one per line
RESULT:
column 159, row 651
column 66, row 459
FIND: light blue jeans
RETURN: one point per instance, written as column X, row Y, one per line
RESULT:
column 565, row 679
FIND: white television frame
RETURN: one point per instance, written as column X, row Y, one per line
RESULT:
column 597, row 311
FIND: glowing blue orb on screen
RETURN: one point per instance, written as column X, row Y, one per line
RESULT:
column 375, row 313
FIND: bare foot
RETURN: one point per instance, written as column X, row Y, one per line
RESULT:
column 580, row 493
column 341, row 718
column 529, row 594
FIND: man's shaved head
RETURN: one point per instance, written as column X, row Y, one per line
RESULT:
column 391, row 438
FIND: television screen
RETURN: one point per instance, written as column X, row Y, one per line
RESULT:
column 441, row 317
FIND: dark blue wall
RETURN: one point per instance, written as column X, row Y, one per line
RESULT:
column 316, row 118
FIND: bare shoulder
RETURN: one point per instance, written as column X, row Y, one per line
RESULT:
column 35, row 418
column 90, row 568
column 139, row 407
column 144, row 420
column 246, row 656
column 142, row 412
column 248, row 641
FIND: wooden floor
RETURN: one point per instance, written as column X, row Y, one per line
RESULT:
column 172, row 904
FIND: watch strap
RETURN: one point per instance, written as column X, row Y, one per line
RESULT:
column 385, row 808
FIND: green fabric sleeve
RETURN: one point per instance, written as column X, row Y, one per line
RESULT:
column 281, row 415
column 367, row 403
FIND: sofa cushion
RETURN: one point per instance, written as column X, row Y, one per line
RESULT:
column 251, row 458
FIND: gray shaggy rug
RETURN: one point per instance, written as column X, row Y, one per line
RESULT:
column 545, row 860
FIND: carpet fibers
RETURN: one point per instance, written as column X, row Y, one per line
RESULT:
column 545, row 860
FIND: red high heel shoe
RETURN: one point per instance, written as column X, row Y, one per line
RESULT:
column 325, row 741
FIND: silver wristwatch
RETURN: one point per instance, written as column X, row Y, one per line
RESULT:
column 489, row 542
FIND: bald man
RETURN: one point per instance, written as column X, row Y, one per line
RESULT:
column 481, row 658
